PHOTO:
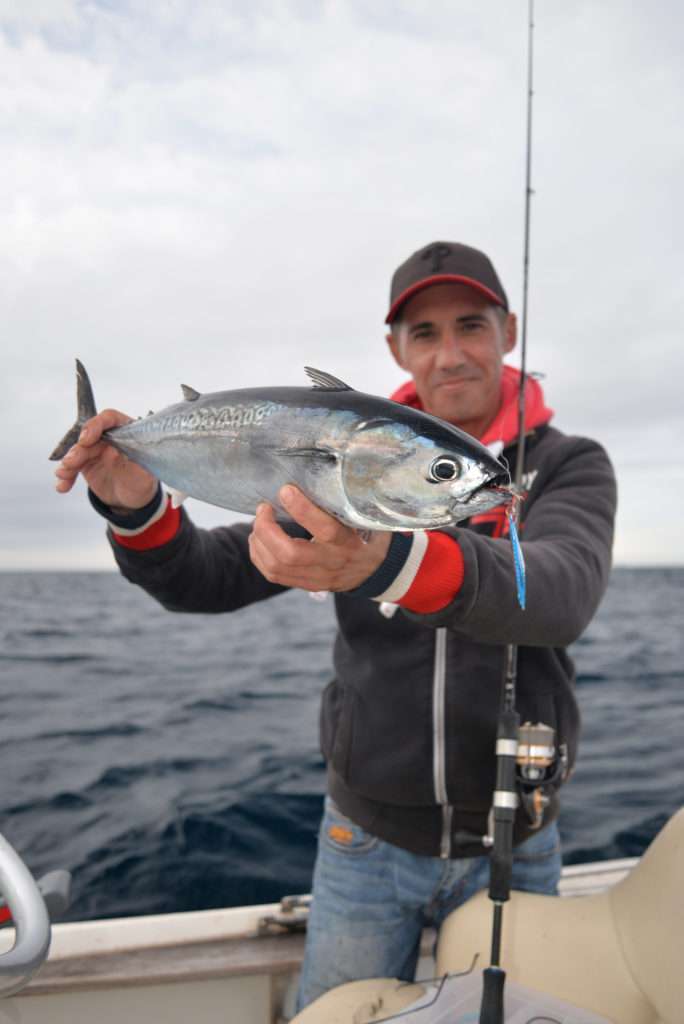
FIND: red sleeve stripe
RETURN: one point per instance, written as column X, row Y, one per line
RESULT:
column 439, row 577
column 159, row 530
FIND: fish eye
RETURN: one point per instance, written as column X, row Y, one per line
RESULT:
column 443, row 469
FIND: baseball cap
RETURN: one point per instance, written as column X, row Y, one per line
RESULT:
column 441, row 263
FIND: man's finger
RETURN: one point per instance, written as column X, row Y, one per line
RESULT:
column 283, row 549
column 65, row 480
column 305, row 578
column 94, row 428
column 73, row 463
column 80, row 455
column 265, row 512
column 66, row 472
column 323, row 527
column 270, row 563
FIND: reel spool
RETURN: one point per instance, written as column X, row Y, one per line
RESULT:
column 538, row 765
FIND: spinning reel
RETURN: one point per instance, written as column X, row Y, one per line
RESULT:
column 538, row 766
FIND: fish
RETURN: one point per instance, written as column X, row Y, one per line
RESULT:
column 370, row 462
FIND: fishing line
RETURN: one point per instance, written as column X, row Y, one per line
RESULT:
column 440, row 982
column 526, row 250
column 514, row 513
column 511, row 674
column 505, row 800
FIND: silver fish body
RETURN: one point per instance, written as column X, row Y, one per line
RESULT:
column 370, row 462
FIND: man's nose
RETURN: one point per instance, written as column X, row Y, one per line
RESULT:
column 450, row 353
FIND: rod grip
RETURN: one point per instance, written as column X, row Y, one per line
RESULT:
column 492, row 1006
column 504, row 808
column 501, row 863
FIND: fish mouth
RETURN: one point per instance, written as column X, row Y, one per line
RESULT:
column 491, row 494
column 499, row 486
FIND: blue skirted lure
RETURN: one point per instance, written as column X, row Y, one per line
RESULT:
column 518, row 558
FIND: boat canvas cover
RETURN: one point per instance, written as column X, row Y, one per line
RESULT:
column 456, row 999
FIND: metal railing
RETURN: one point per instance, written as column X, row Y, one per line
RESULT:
column 30, row 919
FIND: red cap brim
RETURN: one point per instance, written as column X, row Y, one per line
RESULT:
column 441, row 279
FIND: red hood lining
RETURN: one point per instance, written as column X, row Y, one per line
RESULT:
column 504, row 426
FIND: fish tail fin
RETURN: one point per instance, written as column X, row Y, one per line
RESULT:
column 85, row 402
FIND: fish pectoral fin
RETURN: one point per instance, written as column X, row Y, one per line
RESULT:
column 189, row 394
column 177, row 497
column 323, row 381
column 324, row 454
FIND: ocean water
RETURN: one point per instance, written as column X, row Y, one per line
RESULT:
column 171, row 762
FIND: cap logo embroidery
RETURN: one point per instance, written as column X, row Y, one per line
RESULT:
column 438, row 254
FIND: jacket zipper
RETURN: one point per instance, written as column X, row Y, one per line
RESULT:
column 439, row 739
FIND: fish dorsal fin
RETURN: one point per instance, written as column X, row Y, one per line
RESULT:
column 189, row 394
column 325, row 381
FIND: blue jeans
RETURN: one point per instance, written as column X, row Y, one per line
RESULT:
column 371, row 900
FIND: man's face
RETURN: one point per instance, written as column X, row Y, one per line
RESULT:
column 452, row 341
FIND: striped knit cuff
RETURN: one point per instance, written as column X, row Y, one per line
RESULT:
column 422, row 572
column 404, row 578
column 158, row 531
column 145, row 528
column 388, row 571
column 128, row 524
column 438, row 577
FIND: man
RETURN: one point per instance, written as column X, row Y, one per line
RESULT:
column 408, row 724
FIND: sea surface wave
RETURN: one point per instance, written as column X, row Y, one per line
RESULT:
column 171, row 762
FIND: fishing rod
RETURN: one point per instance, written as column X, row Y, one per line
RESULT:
column 505, row 800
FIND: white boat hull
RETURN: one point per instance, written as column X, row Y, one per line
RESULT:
column 201, row 967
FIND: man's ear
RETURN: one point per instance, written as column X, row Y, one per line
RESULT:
column 395, row 348
column 510, row 332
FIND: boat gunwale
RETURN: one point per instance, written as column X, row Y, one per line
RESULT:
column 211, row 944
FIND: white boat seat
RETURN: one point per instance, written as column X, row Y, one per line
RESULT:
column 618, row 953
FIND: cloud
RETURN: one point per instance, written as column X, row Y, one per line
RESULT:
column 217, row 194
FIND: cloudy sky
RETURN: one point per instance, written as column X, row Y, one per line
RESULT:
column 216, row 193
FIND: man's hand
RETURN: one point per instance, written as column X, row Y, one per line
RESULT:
column 110, row 475
column 336, row 558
